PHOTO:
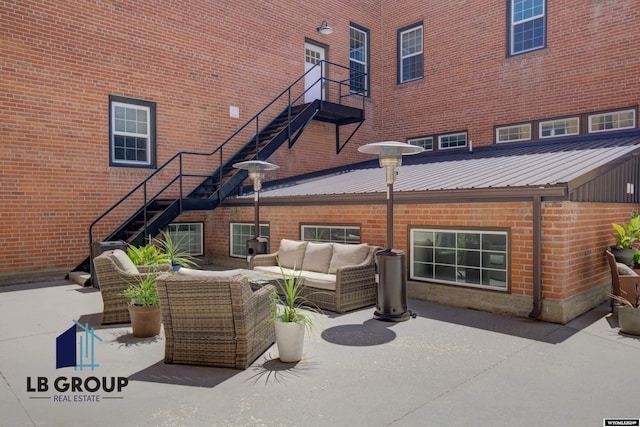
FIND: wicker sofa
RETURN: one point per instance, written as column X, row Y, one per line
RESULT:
column 115, row 272
column 214, row 318
column 337, row 277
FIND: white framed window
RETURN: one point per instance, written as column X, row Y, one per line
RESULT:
column 452, row 140
column 527, row 29
column 131, row 132
column 476, row 258
column 410, row 53
column 513, row 133
column 330, row 233
column 616, row 120
column 358, row 59
column 424, row 142
column 240, row 232
column 563, row 127
column 188, row 236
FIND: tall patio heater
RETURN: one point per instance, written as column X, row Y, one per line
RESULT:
column 391, row 264
column 257, row 169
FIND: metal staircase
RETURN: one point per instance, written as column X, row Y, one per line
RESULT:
column 185, row 182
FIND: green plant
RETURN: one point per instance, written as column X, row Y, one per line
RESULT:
column 289, row 297
column 636, row 257
column 148, row 254
column 143, row 292
column 173, row 252
column 627, row 235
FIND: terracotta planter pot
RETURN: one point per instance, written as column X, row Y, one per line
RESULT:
column 145, row 321
column 290, row 340
column 629, row 320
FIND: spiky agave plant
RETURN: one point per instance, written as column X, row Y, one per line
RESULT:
column 289, row 298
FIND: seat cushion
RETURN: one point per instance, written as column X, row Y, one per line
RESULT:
column 291, row 253
column 317, row 257
column 625, row 270
column 122, row 260
column 312, row 279
column 344, row 255
column 324, row 281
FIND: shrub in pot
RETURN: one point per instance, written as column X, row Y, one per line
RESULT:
column 173, row 252
column 290, row 320
column 627, row 239
column 144, row 307
column 629, row 311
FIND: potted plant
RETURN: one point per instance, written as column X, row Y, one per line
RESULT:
column 290, row 320
column 146, row 255
column 173, row 252
column 627, row 237
column 144, row 307
column 629, row 311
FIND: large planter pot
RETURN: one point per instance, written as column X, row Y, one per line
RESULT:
column 625, row 256
column 290, row 340
column 145, row 320
column 629, row 320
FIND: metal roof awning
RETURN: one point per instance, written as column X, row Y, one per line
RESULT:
column 511, row 171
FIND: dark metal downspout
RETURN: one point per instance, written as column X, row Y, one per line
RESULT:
column 537, row 257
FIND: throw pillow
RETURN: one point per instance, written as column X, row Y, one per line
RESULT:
column 291, row 253
column 317, row 257
column 625, row 270
column 347, row 255
column 123, row 261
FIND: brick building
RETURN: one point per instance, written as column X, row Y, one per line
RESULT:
column 480, row 78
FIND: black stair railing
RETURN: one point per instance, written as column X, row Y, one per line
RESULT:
column 168, row 184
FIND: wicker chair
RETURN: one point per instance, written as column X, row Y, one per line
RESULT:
column 621, row 284
column 115, row 272
column 214, row 320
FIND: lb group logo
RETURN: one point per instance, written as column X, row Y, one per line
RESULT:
column 76, row 348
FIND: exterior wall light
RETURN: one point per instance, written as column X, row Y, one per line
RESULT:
column 324, row 28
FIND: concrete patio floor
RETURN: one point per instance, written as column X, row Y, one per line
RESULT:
column 447, row 367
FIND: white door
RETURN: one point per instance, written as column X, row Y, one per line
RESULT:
column 313, row 85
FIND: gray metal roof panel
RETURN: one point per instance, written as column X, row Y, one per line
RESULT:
column 517, row 166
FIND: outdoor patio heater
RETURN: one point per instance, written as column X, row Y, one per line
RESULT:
column 257, row 169
column 391, row 264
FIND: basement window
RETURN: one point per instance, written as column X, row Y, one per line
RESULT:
column 240, row 232
column 189, row 236
column 453, row 140
column 331, row 233
column 564, row 127
column 615, row 120
column 475, row 258
column 513, row 133
column 425, row 142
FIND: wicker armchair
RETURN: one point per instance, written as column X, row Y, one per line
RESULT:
column 115, row 272
column 214, row 319
column 621, row 284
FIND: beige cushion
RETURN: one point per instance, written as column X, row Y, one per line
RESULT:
column 123, row 261
column 317, row 257
column 311, row 279
column 625, row 270
column 344, row 255
column 291, row 253
column 215, row 274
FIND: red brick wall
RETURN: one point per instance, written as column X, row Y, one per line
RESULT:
column 589, row 64
column 60, row 62
column 574, row 235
